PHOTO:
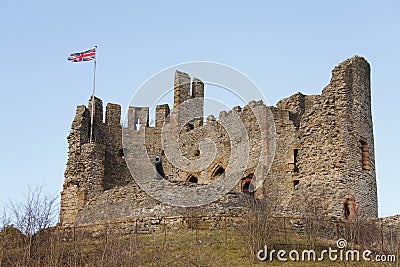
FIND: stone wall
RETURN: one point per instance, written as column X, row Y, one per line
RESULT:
column 324, row 151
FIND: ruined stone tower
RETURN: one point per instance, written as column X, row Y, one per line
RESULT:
column 329, row 143
column 324, row 151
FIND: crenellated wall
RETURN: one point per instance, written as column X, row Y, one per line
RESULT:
column 324, row 152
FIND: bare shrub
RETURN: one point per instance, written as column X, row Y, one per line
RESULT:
column 111, row 250
column 260, row 225
column 34, row 213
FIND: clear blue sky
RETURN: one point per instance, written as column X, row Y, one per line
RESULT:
column 284, row 46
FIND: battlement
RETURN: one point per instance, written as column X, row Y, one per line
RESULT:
column 113, row 114
column 181, row 88
column 138, row 117
column 162, row 112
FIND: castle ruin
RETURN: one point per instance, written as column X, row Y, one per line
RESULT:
column 324, row 152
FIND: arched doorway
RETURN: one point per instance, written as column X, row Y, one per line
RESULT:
column 349, row 207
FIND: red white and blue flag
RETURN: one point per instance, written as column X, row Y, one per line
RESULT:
column 83, row 56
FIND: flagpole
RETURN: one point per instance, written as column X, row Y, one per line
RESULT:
column 94, row 86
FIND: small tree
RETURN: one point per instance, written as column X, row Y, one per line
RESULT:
column 4, row 220
column 21, row 220
column 34, row 213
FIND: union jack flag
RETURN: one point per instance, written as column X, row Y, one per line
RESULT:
column 83, row 56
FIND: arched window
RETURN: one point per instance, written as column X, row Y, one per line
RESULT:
column 349, row 207
column 247, row 186
column 192, row 179
column 218, row 171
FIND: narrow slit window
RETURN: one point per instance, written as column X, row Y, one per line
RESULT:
column 293, row 160
column 121, row 153
column 295, row 154
column 346, row 211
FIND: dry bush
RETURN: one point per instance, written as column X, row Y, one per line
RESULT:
column 34, row 213
column 195, row 246
column 260, row 225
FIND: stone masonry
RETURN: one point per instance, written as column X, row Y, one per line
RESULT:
column 324, row 153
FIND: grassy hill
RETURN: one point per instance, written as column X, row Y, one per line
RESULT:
column 183, row 247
